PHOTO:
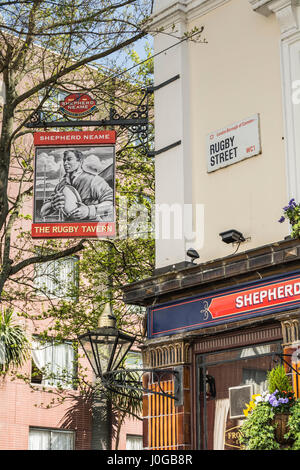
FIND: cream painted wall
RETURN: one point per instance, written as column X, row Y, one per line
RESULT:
column 234, row 76
column 237, row 74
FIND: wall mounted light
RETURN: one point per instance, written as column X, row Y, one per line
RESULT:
column 193, row 254
column 232, row 236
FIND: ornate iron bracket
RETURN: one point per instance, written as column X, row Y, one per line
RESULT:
column 122, row 380
column 136, row 121
column 289, row 365
column 281, row 356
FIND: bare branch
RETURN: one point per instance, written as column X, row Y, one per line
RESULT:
column 44, row 258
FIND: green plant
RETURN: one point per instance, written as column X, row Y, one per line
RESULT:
column 294, row 425
column 264, row 413
column 278, row 380
column 257, row 432
column 13, row 342
column 291, row 212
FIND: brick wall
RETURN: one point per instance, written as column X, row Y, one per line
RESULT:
column 20, row 408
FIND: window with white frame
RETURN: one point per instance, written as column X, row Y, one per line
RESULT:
column 53, row 364
column 57, row 279
column 134, row 442
column 51, row 439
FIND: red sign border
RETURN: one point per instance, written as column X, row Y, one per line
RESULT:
column 50, row 139
column 73, row 230
column 76, row 138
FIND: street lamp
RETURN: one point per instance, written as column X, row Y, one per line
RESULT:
column 107, row 346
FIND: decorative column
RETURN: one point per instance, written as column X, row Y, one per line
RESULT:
column 167, row 426
column 291, row 348
column 172, row 125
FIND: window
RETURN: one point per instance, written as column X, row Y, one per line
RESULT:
column 134, row 442
column 257, row 378
column 51, row 439
column 50, row 106
column 57, row 279
column 53, row 364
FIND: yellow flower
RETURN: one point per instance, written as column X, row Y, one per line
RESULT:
column 249, row 407
column 256, row 395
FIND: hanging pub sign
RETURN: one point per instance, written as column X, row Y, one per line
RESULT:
column 250, row 300
column 233, row 143
column 77, row 105
column 74, row 184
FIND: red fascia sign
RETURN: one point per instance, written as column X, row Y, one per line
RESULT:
column 264, row 297
column 74, row 184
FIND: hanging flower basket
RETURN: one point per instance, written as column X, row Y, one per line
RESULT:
column 280, row 423
column 273, row 417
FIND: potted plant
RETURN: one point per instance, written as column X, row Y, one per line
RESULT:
column 272, row 417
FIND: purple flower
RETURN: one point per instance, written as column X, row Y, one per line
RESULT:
column 292, row 203
column 283, row 400
column 282, row 219
column 273, row 400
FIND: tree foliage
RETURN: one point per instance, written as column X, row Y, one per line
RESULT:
column 73, row 45
column 67, row 45
column 46, row 45
column 14, row 345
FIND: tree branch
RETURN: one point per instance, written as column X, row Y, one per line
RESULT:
column 51, row 257
column 75, row 66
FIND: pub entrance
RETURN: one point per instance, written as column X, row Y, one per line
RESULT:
column 225, row 382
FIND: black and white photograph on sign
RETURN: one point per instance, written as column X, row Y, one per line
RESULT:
column 74, row 184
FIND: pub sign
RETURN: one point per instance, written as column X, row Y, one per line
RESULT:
column 74, row 184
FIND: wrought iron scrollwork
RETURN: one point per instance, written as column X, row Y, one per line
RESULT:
column 35, row 118
column 136, row 121
column 291, row 363
column 122, row 381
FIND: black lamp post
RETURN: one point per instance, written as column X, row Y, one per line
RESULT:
column 106, row 347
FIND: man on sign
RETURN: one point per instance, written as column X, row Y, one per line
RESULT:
column 80, row 195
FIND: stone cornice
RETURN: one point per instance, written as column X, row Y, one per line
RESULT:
column 168, row 16
column 261, row 6
column 197, row 8
column 183, row 11
column 285, row 11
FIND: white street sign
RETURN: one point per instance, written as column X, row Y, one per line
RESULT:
column 233, row 143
